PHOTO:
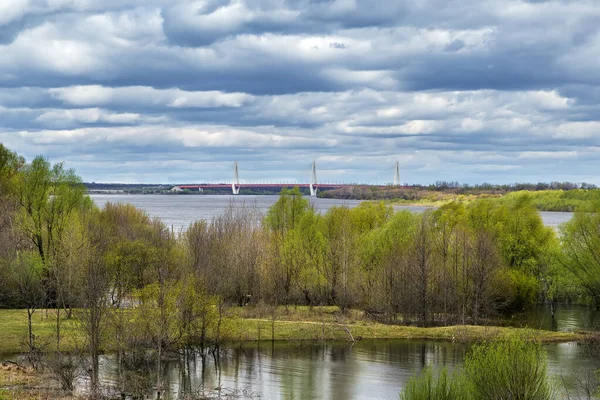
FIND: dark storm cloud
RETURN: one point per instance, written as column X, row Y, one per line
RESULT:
column 141, row 90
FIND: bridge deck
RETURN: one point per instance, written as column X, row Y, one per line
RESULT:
column 251, row 185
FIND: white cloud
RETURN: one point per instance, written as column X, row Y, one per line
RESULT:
column 87, row 116
column 578, row 130
column 95, row 95
column 192, row 136
column 11, row 10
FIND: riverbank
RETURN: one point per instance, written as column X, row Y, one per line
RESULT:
column 247, row 324
column 542, row 200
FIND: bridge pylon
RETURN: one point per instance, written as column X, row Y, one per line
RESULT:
column 313, row 180
column 397, row 175
column 235, row 184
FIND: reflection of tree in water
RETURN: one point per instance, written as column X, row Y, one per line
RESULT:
column 317, row 370
column 585, row 378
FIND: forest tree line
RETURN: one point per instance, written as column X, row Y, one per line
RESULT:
column 455, row 264
column 117, row 270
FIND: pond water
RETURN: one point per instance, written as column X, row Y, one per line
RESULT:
column 566, row 318
column 370, row 369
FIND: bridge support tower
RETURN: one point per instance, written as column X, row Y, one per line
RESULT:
column 397, row 175
column 313, row 180
column 235, row 185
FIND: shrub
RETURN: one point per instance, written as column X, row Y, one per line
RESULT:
column 427, row 386
column 511, row 368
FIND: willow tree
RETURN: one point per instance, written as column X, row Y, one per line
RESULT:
column 281, row 219
column 580, row 239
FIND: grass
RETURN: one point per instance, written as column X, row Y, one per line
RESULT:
column 13, row 331
column 248, row 330
column 252, row 324
column 542, row 200
column 438, row 199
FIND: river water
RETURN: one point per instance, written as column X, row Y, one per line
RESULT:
column 368, row 369
column 179, row 211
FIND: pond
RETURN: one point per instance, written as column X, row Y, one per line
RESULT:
column 370, row 369
column 566, row 319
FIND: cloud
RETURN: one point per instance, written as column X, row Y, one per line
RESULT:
column 86, row 116
column 95, row 95
column 500, row 90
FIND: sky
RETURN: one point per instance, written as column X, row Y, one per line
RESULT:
column 174, row 91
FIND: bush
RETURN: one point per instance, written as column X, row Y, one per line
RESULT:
column 512, row 368
column 440, row 387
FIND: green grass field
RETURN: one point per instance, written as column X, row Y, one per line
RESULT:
column 246, row 324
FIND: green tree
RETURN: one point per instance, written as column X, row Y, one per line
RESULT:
column 286, row 213
column 342, row 257
column 281, row 219
column 580, row 239
column 10, row 165
column 27, row 280
column 48, row 195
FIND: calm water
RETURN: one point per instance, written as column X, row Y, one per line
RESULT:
column 180, row 211
column 374, row 369
column 566, row 318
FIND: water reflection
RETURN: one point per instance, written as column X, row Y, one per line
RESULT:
column 371, row 369
column 566, row 318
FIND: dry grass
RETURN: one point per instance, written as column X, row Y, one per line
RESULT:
column 24, row 383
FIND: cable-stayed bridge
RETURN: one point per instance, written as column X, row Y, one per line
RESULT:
column 313, row 186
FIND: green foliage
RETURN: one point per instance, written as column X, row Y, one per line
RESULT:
column 511, row 368
column 48, row 196
column 370, row 215
column 10, row 164
column 429, row 386
column 27, row 279
column 557, row 200
column 581, row 249
column 524, row 290
column 528, row 248
column 286, row 213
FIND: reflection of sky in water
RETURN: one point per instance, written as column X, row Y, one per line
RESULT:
column 367, row 370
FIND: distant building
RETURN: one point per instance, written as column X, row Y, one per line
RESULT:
column 176, row 189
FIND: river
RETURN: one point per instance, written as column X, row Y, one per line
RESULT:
column 179, row 211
